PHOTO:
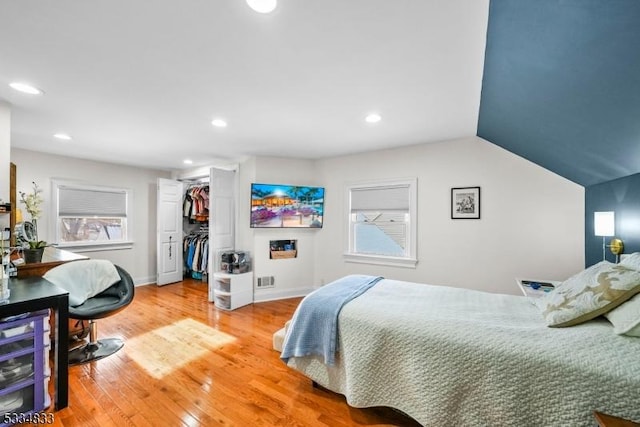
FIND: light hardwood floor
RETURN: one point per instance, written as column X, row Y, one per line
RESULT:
column 187, row 363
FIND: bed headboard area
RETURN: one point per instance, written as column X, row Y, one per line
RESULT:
column 621, row 196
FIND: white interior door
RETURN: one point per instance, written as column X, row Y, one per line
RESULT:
column 169, row 232
column 222, row 188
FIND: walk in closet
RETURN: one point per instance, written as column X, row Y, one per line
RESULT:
column 195, row 219
column 196, row 223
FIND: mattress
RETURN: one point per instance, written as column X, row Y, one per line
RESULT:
column 449, row 356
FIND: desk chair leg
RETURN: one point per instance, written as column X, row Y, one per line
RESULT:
column 95, row 349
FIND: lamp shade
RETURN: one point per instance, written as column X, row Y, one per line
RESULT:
column 604, row 223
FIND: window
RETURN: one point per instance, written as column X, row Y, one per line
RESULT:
column 381, row 222
column 91, row 217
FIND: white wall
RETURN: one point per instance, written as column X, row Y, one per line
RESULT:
column 140, row 261
column 294, row 276
column 5, row 155
column 532, row 220
column 244, row 234
column 5, row 150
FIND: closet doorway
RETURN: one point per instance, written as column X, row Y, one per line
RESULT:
column 220, row 228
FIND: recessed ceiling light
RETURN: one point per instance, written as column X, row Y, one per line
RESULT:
column 26, row 88
column 373, row 118
column 262, row 6
column 187, row 161
column 219, row 123
column 62, row 136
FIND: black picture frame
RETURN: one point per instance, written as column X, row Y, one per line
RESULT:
column 465, row 203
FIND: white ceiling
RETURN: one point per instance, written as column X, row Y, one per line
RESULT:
column 138, row 82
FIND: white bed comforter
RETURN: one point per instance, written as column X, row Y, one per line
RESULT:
column 455, row 357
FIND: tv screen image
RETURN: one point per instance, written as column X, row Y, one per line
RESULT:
column 286, row 206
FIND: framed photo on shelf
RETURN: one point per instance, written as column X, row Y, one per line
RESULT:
column 465, row 203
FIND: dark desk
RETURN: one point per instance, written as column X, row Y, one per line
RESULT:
column 36, row 293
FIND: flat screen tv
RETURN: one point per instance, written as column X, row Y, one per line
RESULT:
column 286, row 206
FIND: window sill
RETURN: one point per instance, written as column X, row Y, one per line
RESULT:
column 95, row 247
column 381, row 260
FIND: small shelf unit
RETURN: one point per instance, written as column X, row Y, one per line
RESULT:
column 24, row 364
column 231, row 291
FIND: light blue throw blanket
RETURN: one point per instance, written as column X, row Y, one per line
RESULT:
column 314, row 326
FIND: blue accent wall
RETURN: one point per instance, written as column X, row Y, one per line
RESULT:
column 561, row 85
column 623, row 197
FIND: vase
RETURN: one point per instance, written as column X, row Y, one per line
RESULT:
column 33, row 255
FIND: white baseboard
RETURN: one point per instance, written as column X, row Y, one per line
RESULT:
column 265, row 295
column 142, row 281
column 262, row 295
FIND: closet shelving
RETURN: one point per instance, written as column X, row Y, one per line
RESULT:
column 196, row 229
column 196, row 202
column 232, row 291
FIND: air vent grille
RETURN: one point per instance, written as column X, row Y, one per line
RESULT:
column 265, row 282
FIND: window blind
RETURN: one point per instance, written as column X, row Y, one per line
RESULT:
column 380, row 198
column 85, row 202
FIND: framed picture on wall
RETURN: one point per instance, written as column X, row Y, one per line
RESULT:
column 465, row 203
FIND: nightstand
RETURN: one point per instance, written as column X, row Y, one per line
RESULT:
column 536, row 288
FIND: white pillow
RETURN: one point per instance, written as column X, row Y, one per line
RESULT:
column 84, row 278
column 632, row 261
column 588, row 294
column 626, row 317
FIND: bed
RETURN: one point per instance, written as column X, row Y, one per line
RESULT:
column 457, row 357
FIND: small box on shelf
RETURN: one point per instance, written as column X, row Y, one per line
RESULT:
column 283, row 249
column 283, row 254
column 238, row 262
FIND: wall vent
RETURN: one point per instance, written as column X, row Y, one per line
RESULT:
column 265, row 282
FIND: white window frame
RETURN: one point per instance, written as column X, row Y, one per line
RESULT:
column 410, row 259
column 125, row 243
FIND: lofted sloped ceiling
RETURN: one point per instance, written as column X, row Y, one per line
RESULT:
column 561, row 85
column 139, row 82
